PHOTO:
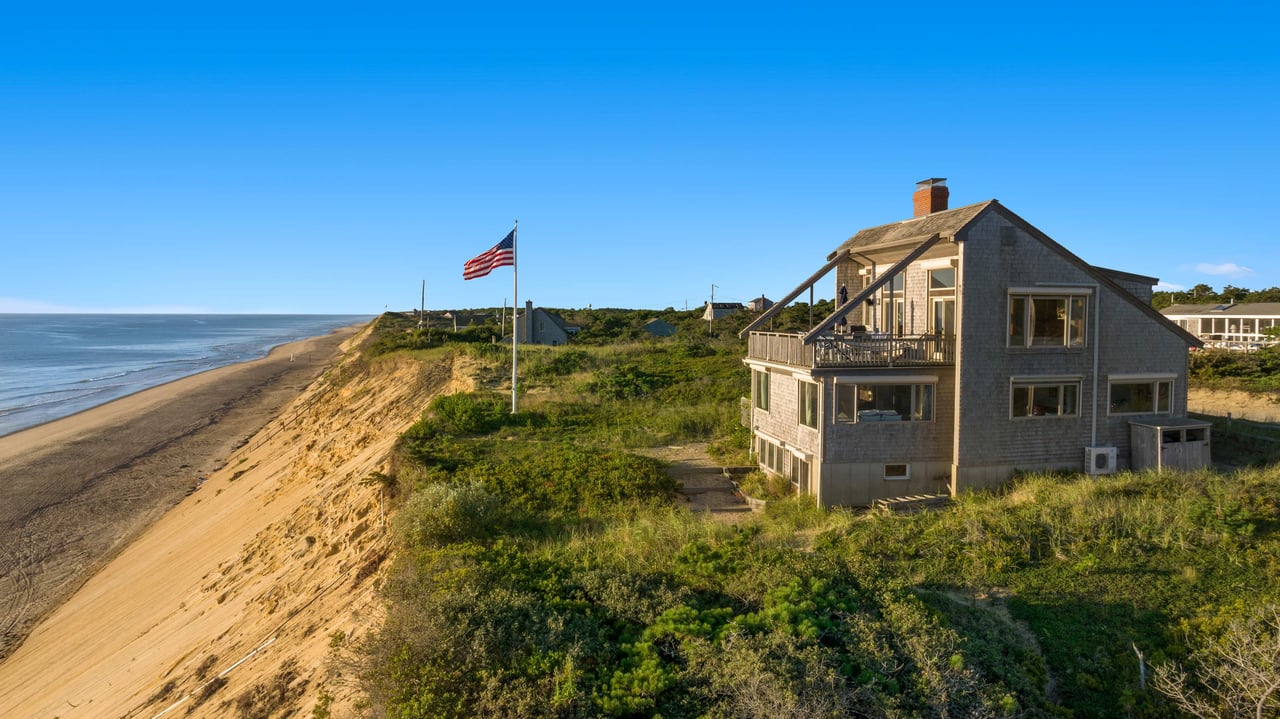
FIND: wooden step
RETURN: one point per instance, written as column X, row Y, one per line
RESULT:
column 912, row 503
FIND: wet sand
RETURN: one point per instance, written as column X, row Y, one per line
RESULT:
column 75, row 492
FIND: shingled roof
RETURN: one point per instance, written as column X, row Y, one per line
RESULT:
column 946, row 223
column 952, row 223
column 1239, row 309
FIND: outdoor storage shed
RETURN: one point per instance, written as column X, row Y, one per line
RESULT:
column 1169, row 443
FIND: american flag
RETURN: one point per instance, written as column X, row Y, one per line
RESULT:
column 500, row 255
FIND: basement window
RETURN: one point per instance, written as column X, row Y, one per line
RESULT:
column 897, row 471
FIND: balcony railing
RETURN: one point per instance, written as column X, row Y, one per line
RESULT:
column 852, row 350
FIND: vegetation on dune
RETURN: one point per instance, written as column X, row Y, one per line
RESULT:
column 1254, row 371
column 544, row 571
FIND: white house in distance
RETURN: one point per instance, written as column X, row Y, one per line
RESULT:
column 1230, row 326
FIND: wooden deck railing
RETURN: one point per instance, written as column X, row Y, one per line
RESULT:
column 858, row 350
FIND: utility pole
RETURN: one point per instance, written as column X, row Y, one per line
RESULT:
column 711, row 310
column 422, row 313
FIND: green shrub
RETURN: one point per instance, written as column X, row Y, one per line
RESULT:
column 626, row 381
column 442, row 513
column 759, row 484
column 469, row 414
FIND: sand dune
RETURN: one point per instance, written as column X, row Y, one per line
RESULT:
column 228, row 605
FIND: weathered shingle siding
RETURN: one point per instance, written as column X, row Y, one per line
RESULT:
column 1141, row 290
column 782, row 421
column 854, row 456
column 1133, row 344
column 998, row 255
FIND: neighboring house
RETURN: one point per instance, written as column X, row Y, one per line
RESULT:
column 463, row 319
column 537, row 326
column 966, row 345
column 760, row 304
column 716, row 310
column 1232, row 326
column 659, row 327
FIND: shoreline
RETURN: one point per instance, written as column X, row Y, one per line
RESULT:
column 271, row 351
column 75, row 491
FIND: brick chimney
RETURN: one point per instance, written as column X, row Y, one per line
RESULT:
column 931, row 196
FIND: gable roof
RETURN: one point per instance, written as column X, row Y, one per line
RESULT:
column 555, row 318
column 1127, row 276
column 917, row 229
column 954, row 224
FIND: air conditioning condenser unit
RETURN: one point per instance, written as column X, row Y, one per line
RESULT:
column 1100, row 460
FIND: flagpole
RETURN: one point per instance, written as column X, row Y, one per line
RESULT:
column 515, row 309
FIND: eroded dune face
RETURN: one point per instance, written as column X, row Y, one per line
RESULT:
column 238, row 601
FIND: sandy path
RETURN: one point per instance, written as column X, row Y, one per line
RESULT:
column 75, row 491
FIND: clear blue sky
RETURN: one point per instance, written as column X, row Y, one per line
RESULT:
column 229, row 158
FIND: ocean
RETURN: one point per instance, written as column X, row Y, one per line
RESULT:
column 54, row 365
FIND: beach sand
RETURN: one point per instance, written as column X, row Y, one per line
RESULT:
column 75, row 492
column 247, row 598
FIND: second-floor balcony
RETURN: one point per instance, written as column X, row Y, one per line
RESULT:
column 852, row 350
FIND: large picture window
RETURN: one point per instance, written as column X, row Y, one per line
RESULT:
column 808, row 402
column 760, row 384
column 884, row 402
column 1154, row 396
column 1045, row 399
column 1041, row 320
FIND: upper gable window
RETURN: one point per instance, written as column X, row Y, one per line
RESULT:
column 1047, row 319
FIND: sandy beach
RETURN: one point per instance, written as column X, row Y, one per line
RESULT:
column 238, row 601
column 75, row 491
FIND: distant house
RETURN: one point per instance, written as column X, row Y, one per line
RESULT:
column 536, row 326
column 1231, row 326
column 966, row 345
column 760, row 304
column 659, row 327
column 716, row 310
column 463, row 319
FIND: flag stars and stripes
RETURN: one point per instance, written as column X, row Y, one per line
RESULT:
column 502, row 254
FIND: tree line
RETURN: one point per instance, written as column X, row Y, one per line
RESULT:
column 1203, row 294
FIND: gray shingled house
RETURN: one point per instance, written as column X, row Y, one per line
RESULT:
column 966, row 345
column 537, row 326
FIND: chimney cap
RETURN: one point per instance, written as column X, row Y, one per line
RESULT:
column 931, row 182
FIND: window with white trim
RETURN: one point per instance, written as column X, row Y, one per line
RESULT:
column 1034, row 398
column 1047, row 320
column 884, row 402
column 771, row 456
column 760, row 385
column 942, row 300
column 1140, row 396
column 807, row 400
